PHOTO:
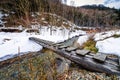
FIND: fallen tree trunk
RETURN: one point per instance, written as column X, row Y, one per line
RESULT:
column 86, row 62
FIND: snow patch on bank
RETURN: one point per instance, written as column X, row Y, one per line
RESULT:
column 109, row 46
column 103, row 35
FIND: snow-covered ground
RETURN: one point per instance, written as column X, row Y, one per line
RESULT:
column 109, row 46
column 58, row 34
column 14, row 43
column 104, row 42
column 82, row 39
column 103, row 35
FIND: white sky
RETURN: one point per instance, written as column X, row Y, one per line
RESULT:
column 90, row 2
column 84, row 2
column 114, row 4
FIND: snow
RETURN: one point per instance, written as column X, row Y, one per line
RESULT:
column 42, row 19
column 14, row 42
column 10, row 43
column 1, row 15
column 109, row 46
column 58, row 34
column 82, row 39
column 103, row 35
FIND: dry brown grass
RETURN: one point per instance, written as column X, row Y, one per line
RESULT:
column 41, row 67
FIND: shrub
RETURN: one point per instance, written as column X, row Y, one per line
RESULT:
column 116, row 35
column 90, row 45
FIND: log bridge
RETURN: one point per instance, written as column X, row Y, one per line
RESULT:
column 98, row 62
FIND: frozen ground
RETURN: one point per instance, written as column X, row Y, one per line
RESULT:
column 109, row 46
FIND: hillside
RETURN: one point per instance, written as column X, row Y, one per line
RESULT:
column 94, row 16
column 99, row 7
column 43, row 19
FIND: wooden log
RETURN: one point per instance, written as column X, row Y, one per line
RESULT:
column 119, row 60
column 89, row 56
column 57, row 44
column 100, row 57
column 63, row 49
column 63, row 46
column 73, row 52
column 86, row 62
column 43, row 41
column 69, row 42
column 70, row 49
column 112, row 59
column 82, row 52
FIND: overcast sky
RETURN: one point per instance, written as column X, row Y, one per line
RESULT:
column 109, row 3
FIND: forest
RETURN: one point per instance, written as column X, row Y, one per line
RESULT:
column 93, row 16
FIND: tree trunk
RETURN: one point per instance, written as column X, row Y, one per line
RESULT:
column 27, row 19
